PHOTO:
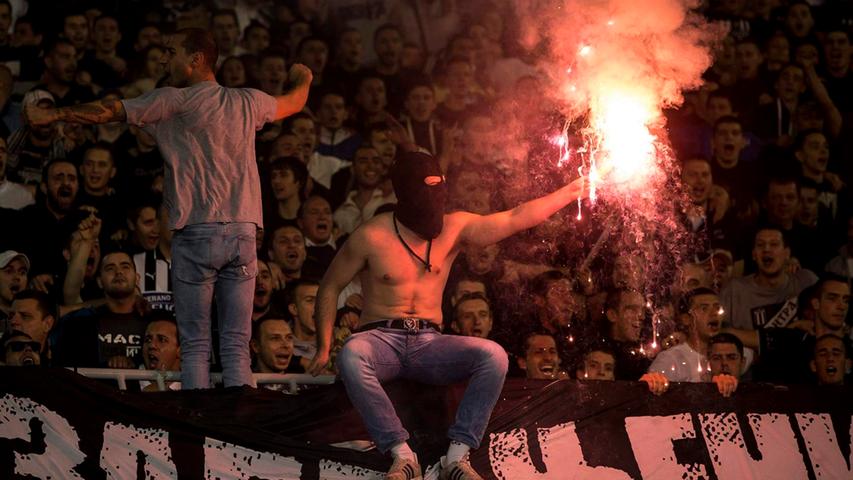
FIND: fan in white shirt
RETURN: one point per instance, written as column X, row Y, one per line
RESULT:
column 366, row 197
column 687, row 362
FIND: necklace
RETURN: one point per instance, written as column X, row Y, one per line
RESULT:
column 426, row 263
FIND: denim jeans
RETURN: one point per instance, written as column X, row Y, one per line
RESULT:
column 214, row 260
column 373, row 357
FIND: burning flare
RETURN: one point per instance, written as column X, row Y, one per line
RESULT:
column 614, row 66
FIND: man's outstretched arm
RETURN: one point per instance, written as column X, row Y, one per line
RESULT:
column 489, row 229
column 99, row 111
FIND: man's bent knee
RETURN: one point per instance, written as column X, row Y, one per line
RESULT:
column 354, row 355
column 494, row 355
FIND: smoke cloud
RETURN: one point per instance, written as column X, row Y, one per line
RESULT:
column 610, row 68
column 654, row 49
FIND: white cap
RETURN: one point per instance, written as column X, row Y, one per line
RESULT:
column 9, row 255
column 33, row 97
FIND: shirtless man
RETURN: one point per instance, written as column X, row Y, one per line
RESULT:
column 403, row 259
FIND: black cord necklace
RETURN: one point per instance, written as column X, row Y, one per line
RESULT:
column 428, row 248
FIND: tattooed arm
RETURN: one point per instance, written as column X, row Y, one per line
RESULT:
column 101, row 111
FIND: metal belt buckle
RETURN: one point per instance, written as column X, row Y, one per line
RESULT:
column 411, row 325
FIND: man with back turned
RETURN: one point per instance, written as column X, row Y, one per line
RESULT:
column 206, row 134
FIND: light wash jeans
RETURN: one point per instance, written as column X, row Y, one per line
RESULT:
column 214, row 259
column 376, row 356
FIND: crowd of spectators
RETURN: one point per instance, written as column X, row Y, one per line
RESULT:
column 759, row 293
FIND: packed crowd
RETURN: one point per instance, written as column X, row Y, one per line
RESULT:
column 759, row 292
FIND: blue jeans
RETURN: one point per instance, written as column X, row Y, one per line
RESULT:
column 214, row 259
column 373, row 357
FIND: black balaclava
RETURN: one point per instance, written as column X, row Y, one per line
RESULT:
column 420, row 206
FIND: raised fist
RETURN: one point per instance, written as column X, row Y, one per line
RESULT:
column 299, row 74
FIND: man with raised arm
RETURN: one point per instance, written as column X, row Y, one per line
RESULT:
column 403, row 259
column 206, row 134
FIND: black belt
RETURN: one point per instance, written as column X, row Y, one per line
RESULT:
column 410, row 324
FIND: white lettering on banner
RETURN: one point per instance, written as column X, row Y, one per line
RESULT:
column 122, row 444
column 780, row 455
column 651, row 440
column 226, row 460
column 126, row 447
column 62, row 444
column 509, row 456
column 822, row 444
column 331, row 470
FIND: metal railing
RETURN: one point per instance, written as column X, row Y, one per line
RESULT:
column 121, row 376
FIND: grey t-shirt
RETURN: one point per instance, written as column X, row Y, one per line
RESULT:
column 304, row 348
column 751, row 306
column 206, row 135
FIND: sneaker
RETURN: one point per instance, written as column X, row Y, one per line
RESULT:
column 404, row 469
column 461, row 470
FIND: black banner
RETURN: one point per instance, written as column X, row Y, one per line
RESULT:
column 56, row 424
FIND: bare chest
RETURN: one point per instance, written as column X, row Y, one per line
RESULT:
column 391, row 263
